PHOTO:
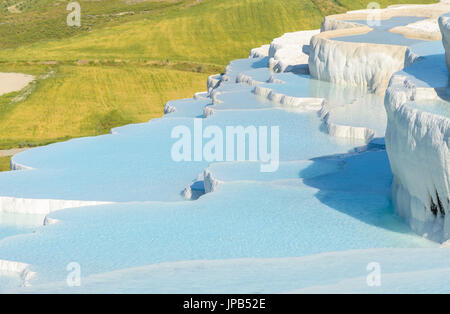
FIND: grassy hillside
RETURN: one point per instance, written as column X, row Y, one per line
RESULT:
column 4, row 163
column 208, row 31
column 48, row 17
column 89, row 100
column 129, row 56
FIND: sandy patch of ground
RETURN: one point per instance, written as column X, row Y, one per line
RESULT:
column 14, row 8
column 11, row 152
column 13, row 82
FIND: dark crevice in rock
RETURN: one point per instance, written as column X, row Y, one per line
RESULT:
column 437, row 207
column 433, row 207
column 439, row 203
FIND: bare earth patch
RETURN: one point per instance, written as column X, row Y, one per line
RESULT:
column 11, row 152
column 13, row 82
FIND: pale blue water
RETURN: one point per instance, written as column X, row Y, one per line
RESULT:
column 322, row 198
column 242, row 65
column 438, row 107
column 9, row 281
column 312, row 204
column 431, row 71
column 15, row 224
column 381, row 33
column 140, row 156
column 340, row 207
column 303, row 86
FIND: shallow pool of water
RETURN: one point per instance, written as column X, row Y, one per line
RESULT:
column 13, row 224
column 381, row 32
column 324, row 196
column 438, row 107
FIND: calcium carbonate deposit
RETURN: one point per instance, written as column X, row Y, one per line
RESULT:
column 361, row 179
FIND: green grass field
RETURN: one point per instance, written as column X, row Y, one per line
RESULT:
column 129, row 57
column 90, row 100
column 209, row 31
column 4, row 163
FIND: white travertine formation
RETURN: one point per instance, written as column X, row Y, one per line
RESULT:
column 17, row 166
column 41, row 206
column 243, row 78
column 213, row 82
column 355, row 64
column 426, row 28
column 290, row 102
column 201, row 95
column 50, row 221
column 315, row 104
column 289, row 53
column 44, row 206
column 21, row 269
column 168, row 108
column 330, row 23
column 444, row 24
column 207, row 112
column 417, row 141
column 342, row 130
column 210, row 182
column 215, row 97
column 418, row 146
column 366, row 64
column 259, row 52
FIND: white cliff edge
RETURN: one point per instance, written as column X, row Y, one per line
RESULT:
column 21, row 269
column 417, row 143
column 210, row 182
column 355, row 64
column 40, row 206
column 260, row 52
column 444, row 25
column 320, row 105
column 289, row 102
column 290, row 52
column 418, row 146
column 367, row 64
column 341, row 130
